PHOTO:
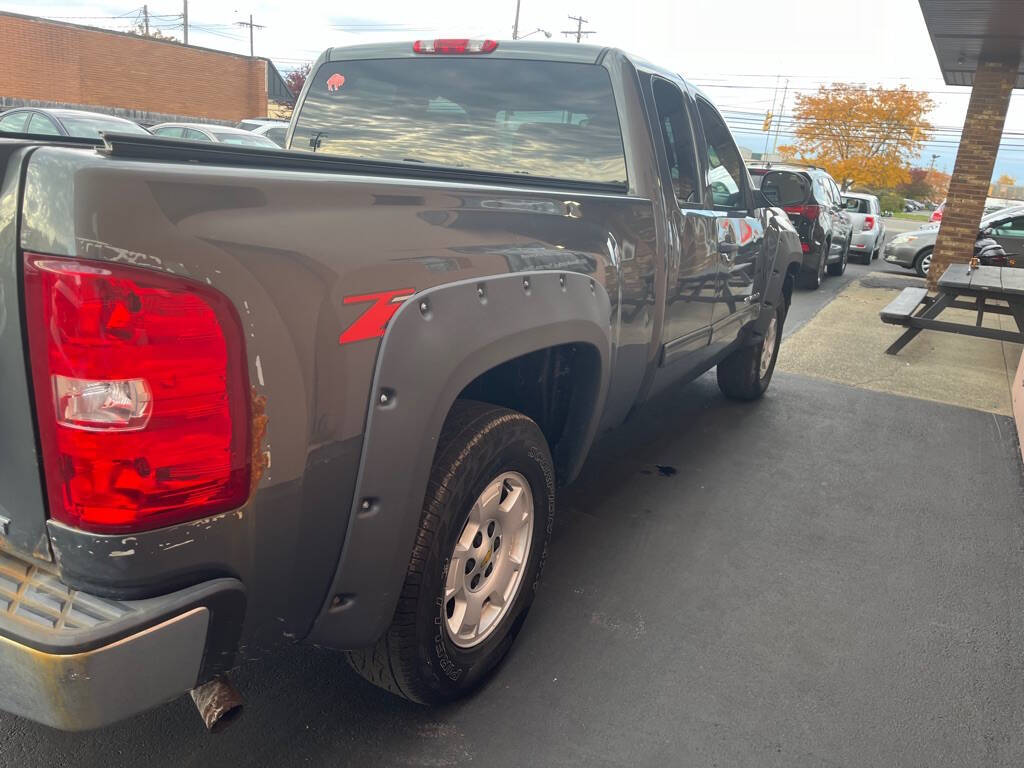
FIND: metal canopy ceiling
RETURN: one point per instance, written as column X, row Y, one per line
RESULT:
column 966, row 31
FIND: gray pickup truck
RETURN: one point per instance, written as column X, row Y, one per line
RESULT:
column 326, row 394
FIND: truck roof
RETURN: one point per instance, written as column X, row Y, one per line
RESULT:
column 540, row 50
column 579, row 53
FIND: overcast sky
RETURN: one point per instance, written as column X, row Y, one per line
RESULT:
column 735, row 50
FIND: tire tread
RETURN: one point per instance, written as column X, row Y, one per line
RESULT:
column 390, row 662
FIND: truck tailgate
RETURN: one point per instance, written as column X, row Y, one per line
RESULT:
column 22, row 510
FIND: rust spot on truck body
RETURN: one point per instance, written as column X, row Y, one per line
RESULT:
column 260, row 459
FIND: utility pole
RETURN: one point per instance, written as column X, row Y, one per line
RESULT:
column 782, row 111
column 515, row 24
column 578, row 32
column 768, row 133
column 184, row 16
column 251, row 27
column 145, row 18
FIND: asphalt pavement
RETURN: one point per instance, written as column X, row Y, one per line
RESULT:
column 808, row 303
column 827, row 577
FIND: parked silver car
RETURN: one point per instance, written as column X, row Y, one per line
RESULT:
column 913, row 250
column 868, row 227
column 218, row 133
column 65, row 122
column 275, row 130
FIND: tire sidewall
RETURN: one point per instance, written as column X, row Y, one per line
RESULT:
column 450, row 670
column 780, row 320
column 920, row 260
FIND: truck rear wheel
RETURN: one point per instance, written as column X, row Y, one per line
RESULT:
column 747, row 372
column 478, row 556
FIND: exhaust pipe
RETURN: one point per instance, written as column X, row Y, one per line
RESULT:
column 218, row 703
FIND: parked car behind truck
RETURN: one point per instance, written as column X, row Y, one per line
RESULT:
column 64, row 122
column 865, row 214
column 825, row 227
column 328, row 396
column 913, row 250
column 217, row 133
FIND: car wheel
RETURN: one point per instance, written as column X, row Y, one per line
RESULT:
column 480, row 548
column 878, row 249
column 923, row 262
column 747, row 372
column 812, row 280
column 837, row 269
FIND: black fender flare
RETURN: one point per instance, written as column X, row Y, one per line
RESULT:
column 437, row 343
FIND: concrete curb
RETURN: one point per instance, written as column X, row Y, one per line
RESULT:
column 1017, row 397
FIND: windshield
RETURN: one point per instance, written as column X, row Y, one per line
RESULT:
column 537, row 118
column 243, row 139
column 89, row 127
column 856, row 205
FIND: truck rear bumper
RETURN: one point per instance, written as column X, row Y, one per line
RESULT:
column 75, row 661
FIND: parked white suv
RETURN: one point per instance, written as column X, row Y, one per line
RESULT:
column 868, row 227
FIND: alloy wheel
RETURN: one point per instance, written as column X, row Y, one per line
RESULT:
column 486, row 566
column 768, row 346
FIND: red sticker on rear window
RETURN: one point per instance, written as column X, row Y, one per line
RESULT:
column 335, row 81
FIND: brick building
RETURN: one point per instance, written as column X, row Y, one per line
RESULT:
column 979, row 43
column 51, row 63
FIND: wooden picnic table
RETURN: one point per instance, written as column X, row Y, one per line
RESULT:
column 961, row 288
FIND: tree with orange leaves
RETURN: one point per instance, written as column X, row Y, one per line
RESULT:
column 861, row 135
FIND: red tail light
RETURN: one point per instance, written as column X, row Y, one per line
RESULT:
column 454, row 45
column 807, row 211
column 936, row 215
column 805, row 247
column 141, row 391
column 869, row 223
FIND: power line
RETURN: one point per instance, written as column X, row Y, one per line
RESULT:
column 579, row 32
column 251, row 27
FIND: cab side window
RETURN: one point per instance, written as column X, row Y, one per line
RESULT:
column 677, row 133
column 724, row 165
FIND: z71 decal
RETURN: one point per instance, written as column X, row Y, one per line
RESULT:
column 374, row 320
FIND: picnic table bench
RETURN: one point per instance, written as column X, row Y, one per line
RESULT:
column 961, row 288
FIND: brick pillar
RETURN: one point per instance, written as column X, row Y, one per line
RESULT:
column 975, row 159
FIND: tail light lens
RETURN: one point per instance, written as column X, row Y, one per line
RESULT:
column 805, row 247
column 869, row 223
column 141, row 392
column 807, row 211
column 454, row 46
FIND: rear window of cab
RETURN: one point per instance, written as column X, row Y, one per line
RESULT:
column 554, row 120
